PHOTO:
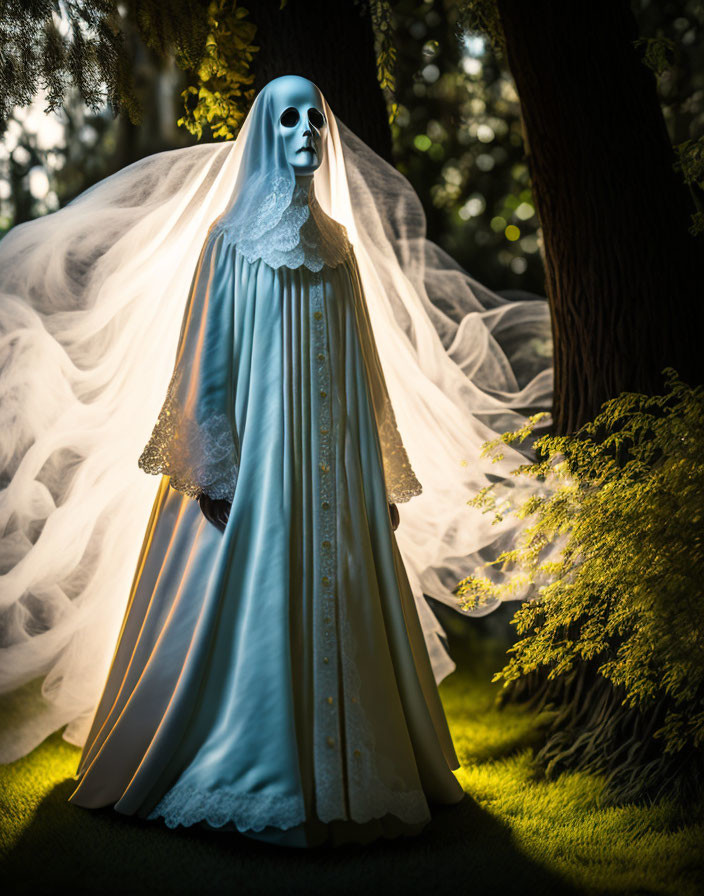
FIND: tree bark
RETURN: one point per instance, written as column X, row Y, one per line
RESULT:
column 623, row 274
column 332, row 45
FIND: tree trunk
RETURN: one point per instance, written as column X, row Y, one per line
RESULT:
column 332, row 45
column 623, row 273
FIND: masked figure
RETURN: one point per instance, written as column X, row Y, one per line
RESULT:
column 273, row 675
column 276, row 665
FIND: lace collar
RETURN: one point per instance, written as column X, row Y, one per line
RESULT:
column 303, row 236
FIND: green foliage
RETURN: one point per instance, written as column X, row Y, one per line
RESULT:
column 673, row 51
column 179, row 28
column 49, row 45
column 658, row 52
column 385, row 48
column 222, row 95
column 57, row 44
column 81, row 43
column 614, row 547
column 690, row 161
column 483, row 17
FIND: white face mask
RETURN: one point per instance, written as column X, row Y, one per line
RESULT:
column 301, row 123
column 287, row 136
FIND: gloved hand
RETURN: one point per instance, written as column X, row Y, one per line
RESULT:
column 393, row 513
column 215, row 510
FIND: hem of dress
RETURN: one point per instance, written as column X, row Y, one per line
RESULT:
column 230, row 824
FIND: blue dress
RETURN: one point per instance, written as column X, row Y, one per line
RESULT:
column 273, row 678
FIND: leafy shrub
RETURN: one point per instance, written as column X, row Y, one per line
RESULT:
column 613, row 547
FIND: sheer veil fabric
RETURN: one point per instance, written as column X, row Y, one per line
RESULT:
column 92, row 316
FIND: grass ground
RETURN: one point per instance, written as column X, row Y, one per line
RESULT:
column 511, row 834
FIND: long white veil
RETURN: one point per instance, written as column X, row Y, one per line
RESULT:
column 92, row 299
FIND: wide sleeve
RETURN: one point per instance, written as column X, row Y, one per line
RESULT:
column 401, row 481
column 194, row 441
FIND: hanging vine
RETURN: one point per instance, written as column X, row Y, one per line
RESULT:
column 381, row 16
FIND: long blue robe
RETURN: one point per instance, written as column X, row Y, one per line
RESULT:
column 274, row 678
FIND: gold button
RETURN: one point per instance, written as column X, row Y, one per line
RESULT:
column 326, row 580
column 321, row 356
column 357, row 752
column 324, row 467
column 331, row 741
column 326, row 543
column 325, row 505
column 329, row 699
column 323, row 393
column 326, row 659
column 318, row 315
column 354, row 699
column 324, row 431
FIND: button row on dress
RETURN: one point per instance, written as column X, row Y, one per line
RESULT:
column 325, row 504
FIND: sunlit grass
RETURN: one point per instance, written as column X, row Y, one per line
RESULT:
column 517, row 833
column 26, row 783
column 562, row 824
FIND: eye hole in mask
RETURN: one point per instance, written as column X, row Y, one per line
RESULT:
column 316, row 118
column 290, row 117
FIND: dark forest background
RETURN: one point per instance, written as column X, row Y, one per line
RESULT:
column 456, row 133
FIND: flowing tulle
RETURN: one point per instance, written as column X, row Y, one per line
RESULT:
column 274, row 678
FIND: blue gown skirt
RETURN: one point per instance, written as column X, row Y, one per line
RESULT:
column 273, row 678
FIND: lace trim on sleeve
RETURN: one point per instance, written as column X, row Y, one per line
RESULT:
column 401, row 482
column 200, row 458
